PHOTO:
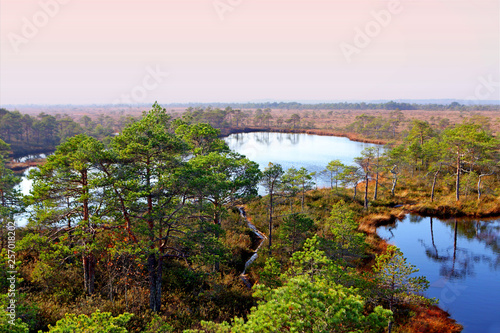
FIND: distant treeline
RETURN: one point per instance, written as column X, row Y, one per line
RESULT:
column 455, row 106
column 27, row 134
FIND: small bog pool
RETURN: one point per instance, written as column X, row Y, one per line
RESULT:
column 461, row 260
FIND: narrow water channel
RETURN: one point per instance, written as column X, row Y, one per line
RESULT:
column 261, row 238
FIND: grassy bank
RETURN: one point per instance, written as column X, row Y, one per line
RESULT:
column 416, row 199
column 19, row 167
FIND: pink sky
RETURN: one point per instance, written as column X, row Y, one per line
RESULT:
column 98, row 51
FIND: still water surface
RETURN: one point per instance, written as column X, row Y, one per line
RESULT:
column 313, row 152
column 461, row 260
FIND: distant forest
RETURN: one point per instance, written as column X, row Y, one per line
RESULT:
column 30, row 135
column 391, row 105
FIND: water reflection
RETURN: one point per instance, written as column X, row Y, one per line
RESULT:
column 262, row 138
column 30, row 157
column 461, row 260
column 458, row 262
column 455, row 262
column 313, row 152
column 24, row 187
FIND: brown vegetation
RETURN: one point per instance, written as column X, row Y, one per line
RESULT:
column 431, row 320
column 19, row 167
column 328, row 120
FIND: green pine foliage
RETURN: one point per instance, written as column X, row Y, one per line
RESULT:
column 97, row 322
column 307, row 301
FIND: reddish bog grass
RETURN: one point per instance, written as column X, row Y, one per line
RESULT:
column 431, row 320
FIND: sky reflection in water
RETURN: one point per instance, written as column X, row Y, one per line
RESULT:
column 461, row 260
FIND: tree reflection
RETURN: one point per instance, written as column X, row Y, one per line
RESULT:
column 461, row 263
column 263, row 138
column 458, row 262
column 237, row 140
column 280, row 137
column 415, row 218
column 432, row 253
column 293, row 138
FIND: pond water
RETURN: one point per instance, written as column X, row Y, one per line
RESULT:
column 461, row 260
column 24, row 187
column 313, row 152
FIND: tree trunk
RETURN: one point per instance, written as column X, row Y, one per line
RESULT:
column 89, row 273
column 86, row 216
column 434, row 183
column 303, row 192
column 376, row 187
column 216, row 217
column 366, row 192
column 155, row 268
column 458, row 177
column 89, row 259
column 217, row 235
column 479, row 188
column 394, row 182
column 149, row 212
column 154, row 263
column 270, row 219
column 479, row 185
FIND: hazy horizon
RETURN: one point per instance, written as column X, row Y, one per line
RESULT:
column 74, row 52
column 216, row 103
